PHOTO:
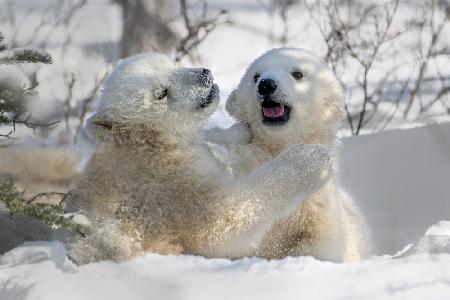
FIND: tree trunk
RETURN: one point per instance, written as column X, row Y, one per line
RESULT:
column 146, row 26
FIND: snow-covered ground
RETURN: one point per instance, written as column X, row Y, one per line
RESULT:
column 40, row 270
column 400, row 178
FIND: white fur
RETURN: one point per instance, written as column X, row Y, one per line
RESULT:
column 152, row 184
column 326, row 225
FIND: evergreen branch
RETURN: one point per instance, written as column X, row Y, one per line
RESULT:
column 25, row 55
column 2, row 46
column 52, row 215
column 22, row 55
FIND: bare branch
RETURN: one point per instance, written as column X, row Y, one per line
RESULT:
column 435, row 35
column 444, row 91
column 70, row 81
column 8, row 135
column 32, row 125
column 87, row 101
column 197, row 30
column 44, row 195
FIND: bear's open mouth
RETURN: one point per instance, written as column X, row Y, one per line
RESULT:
column 274, row 113
column 209, row 99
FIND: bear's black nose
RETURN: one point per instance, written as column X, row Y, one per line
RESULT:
column 205, row 77
column 207, row 72
column 267, row 87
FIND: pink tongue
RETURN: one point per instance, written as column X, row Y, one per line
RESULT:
column 273, row 112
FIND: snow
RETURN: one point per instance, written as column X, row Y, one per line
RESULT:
column 436, row 240
column 399, row 178
column 40, row 270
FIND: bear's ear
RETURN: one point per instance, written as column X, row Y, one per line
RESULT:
column 235, row 107
column 99, row 127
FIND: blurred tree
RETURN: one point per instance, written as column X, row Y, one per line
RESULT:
column 146, row 27
column 373, row 38
column 197, row 29
column 282, row 7
column 13, row 96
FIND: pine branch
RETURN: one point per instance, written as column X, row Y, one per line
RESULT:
column 2, row 46
column 28, row 54
column 25, row 55
column 13, row 96
column 52, row 215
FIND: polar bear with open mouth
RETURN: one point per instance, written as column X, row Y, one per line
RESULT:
column 288, row 96
column 153, row 185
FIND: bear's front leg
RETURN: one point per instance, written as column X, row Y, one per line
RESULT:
column 271, row 191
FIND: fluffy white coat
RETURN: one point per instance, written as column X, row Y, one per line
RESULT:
column 326, row 225
column 153, row 185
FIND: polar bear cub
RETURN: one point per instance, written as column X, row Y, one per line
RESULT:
column 288, row 96
column 153, row 185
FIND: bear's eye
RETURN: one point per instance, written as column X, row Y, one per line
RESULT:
column 256, row 77
column 297, row 75
column 163, row 94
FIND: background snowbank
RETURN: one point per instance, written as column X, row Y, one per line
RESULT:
column 401, row 181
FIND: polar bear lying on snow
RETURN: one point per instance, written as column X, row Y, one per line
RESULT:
column 288, row 96
column 153, row 185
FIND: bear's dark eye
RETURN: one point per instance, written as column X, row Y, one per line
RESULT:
column 297, row 75
column 256, row 77
column 163, row 94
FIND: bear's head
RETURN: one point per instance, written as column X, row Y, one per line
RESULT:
column 148, row 94
column 288, row 96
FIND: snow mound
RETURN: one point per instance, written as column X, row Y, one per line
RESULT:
column 400, row 179
column 36, row 252
column 41, row 270
column 435, row 241
column 440, row 229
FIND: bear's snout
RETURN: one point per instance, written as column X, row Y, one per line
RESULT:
column 267, row 87
column 205, row 77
